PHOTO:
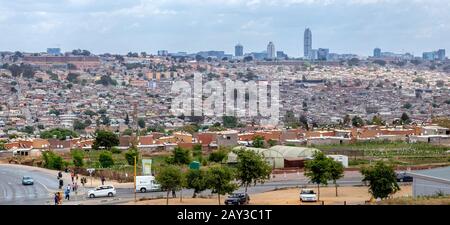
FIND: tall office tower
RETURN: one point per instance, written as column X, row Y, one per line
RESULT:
column 441, row 54
column 271, row 51
column 377, row 53
column 307, row 43
column 238, row 50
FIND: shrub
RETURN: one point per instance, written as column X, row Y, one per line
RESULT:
column 115, row 150
column 130, row 154
column 77, row 157
column 106, row 160
column 53, row 161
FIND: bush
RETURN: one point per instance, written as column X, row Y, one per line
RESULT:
column 218, row 156
column 106, row 160
column 115, row 150
column 77, row 157
column 130, row 154
column 53, row 161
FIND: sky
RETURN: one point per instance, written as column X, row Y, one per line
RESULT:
column 121, row 26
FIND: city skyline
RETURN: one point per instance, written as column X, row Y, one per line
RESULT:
column 193, row 26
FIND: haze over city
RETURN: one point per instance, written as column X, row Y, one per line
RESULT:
column 356, row 26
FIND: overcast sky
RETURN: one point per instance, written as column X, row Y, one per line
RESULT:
column 120, row 26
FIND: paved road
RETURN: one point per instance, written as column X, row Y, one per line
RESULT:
column 13, row 192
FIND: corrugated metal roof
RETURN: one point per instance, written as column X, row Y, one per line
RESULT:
column 439, row 173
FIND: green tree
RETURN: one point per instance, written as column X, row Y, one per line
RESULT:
column 229, row 121
column 141, row 122
column 130, row 154
column 336, row 170
column 78, row 125
column 170, row 178
column 376, row 120
column 219, row 180
column 127, row 132
column 404, row 119
column 251, row 168
column 106, row 160
column 317, row 170
column 258, row 142
column 52, row 161
column 357, row 121
column 196, row 179
column 54, row 111
column 346, row 120
column 197, row 151
column 90, row 113
column 105, row 139
column 407, row 105
column 219, row 155
column 60, row 133
column 272, row 142
column 180, row 156
column 382, row 180
column 77, row 158
column 28, row 129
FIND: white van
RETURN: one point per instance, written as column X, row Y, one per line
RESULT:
column 147, row 183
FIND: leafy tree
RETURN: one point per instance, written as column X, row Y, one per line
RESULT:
column 130, row 154
column 196, row 179
column 407, row 105
column 28, row 129
column 106, row 160
column 73, row 77
column 376, row 120
column 229, row 121
column 317, row 170
column 128, row 132
column 197, row 151
column 404, row 119
column 77, row 158
column 219, row 155
column 54, row 111
column 357, row 121
column 336, row 170
column 180, row 156
column 78, row 125
column 290, row 119
column 382, row 180
column 272, row 142
column 219, row 180
column 60, row 133
column 105, row 139
column 258, row 142
column 170, row 178
column 304, row 122
column 90, row 113
column 251, row 168
column 141, row 122
column 52, row 160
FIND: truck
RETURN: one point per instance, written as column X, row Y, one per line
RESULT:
column 147, row 183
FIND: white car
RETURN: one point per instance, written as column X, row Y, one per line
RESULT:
column 308, row 195
column 102, row 191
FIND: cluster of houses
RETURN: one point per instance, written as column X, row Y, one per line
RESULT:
column 210, row 140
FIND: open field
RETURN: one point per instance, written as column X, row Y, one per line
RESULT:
column 350, row 195
column 397, row 153
column 443, row 200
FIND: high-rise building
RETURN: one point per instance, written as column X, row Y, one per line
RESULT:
column 163, row 53
column 430, row 56
column 54, row 51
column 271, row 51
column 322, row 54
column 307, row 43
column 281, row 55
column 441, row 54
column 377, row 53
column 238, row 50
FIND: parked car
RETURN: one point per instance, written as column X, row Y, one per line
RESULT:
column 237, row 199
column 102, row 191
column 308, row 195
column 27, row 180
column 403, row 177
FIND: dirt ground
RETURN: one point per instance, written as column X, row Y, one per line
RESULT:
column 351, row 195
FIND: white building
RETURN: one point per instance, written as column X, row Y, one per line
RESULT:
column 431, row 182
column 271, row 51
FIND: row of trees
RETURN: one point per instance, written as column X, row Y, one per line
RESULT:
column 250, row 169
column 381, row 178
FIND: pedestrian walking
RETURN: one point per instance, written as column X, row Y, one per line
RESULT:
column 67, row 193
column 76, row 177
column 56, row 199
column 103, row 180
column 174, row 195
column 61, row 184
column 59, row 198
column 72, row 176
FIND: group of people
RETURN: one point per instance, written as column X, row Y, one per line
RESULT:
column 70, row 187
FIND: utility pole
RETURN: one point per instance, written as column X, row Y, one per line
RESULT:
column 134, row 179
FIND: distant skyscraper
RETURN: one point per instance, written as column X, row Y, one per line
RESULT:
column 322, row 54
column 307, row 43
column 163, row 53
column 441, row 54
column 377, row 53
column 271, row 51
column 54, row 51
column 238, row 50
